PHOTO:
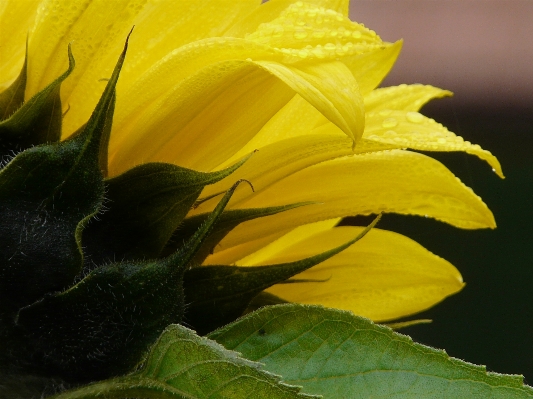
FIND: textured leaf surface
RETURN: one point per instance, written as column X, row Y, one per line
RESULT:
column 218, row 295
column 183, row 365
column 339, row 355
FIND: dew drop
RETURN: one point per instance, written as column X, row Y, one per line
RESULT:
column 277, row 31
column 318, row 52
column 389, row 123
column 300, row 34
column 414, row 117
column 303, row 53
column 441, row 141
column 356, row 34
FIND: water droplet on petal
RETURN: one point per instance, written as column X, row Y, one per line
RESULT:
column 389, row 123
column 303, row 53
column 414, row 117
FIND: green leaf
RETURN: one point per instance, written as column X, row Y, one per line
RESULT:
column 218, row 295
column 182, row 365
column 37, row 121
column 47, row 194
column 228, row 221
column 12, row 98
column 101, row 326
column 339, row 355
column 146, row 205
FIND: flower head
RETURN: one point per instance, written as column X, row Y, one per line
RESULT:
column 206, row 83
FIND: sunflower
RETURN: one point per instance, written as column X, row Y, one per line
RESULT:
column 205, row 83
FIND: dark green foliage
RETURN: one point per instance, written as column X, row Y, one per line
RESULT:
column 71, row 314
column 146, row 205
column 37, row 121
column 46, row 195
column 103, row 325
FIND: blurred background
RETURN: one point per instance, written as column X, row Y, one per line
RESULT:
column 483, row 52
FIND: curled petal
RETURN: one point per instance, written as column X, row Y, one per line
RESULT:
column 409, row 129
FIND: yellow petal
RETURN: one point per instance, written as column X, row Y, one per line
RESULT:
column 409, row 129
column 272, row 9
column 383, row 276
column 280, row 245
column 208, row 99
column 230, row 255
column 324, row 32
column 202, row 121
column 330, row 88
column 403, row 97
column 390, row 181
column 97, row 30
column 16, row 18
column 278, row 160
column 297, row 118
column 370, row 68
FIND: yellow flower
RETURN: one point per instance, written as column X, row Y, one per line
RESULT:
column 209, row 81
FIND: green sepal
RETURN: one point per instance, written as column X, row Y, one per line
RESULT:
column 47, row 194
column 217, row 295
column 12, row 98
column 228, row 221
column 182, row 365
column 102, row 326
column 146, row 205
column 37, row 121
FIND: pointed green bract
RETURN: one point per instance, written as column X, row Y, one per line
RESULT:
column 228, row 221
column 183, row 365
column 47, row 193
column 146, row 205
column 103, row 325
column 218, row 295
column 37, row 121
column 339, row 355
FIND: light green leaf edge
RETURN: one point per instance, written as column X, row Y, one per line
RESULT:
column 340, row 355
column 183, row 365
